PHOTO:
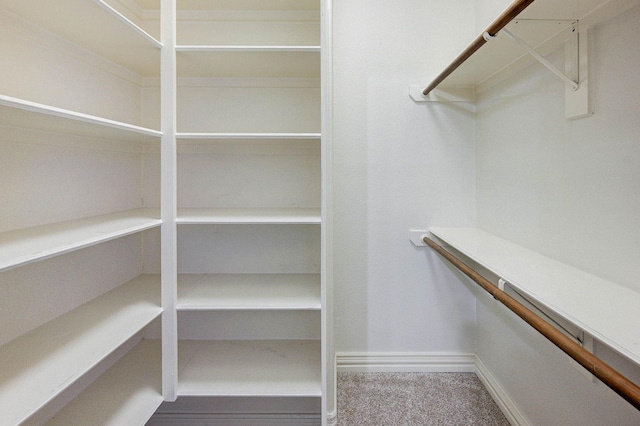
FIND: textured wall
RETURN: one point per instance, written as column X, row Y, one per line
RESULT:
column 398, row 165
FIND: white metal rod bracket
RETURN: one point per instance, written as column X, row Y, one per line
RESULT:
column 487, row 37
column 572, row 84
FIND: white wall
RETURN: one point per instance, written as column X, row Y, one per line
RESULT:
column 568, row 189
column 398, row 165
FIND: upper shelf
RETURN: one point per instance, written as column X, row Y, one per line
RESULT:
column 16, row 112
column 96, row 26
column 607, row 311
column 543, row 24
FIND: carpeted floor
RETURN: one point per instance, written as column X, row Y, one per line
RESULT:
column 403, row 399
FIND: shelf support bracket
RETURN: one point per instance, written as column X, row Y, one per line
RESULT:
column 573, row 85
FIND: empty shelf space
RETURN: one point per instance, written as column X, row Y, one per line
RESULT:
column 249, row 216
column 249, row 61
column 40, row 364
column 96, row 26
column 248, row 291
column 28, row 245
column 25, row 114
column 607, row 311
column 249, row 368
column 127, row 394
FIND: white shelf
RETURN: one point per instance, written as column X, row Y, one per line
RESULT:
column 127, row 394
column 545, row 25
column 246, row 5
column 21, row 113
column 246, row 136
column 248, row 292
column 249, row 368
column 96, row 26
column 249, row 61
column 249, row 216
column 607, row 311
column 37, row 366
column 28, row 245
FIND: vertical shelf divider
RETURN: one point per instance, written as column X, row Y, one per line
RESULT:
column 329, row 392
column 169, row 201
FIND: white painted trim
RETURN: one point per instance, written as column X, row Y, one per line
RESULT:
column 415, row 362
column 332, row 418
column 328, row 403
column 500, row 396
column 165, row 419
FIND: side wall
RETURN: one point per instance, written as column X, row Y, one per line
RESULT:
column 398, row 165
column 567, row 189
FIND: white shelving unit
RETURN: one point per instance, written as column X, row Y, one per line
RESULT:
column 108, row 169
column 37, row 366
column 603, row 309
column 77, row 120
column 249, row 161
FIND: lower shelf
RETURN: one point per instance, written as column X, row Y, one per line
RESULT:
column 39, row 365
column 127, row 394
column 249, row 368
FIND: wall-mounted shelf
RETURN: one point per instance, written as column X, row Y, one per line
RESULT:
column 248, row 292
column 21, row 113
column 28, row 245
column 127, row 394
column 94, row 25
column 265, row 216
column 543, row 24
column 39, row 365
column 605, row 310
column 250, row 368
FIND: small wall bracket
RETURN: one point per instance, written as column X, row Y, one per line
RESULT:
column 570, row 83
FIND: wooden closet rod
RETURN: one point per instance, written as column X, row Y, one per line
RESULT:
column 493, row 29
column 616, row 381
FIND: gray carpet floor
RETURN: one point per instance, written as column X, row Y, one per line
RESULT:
column 403, row 399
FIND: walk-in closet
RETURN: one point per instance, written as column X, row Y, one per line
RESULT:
column 212, row 210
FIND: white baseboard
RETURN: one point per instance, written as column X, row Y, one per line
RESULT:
column 394, row 362
column 506, row 404
column 182, row 419
column 332, row 418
